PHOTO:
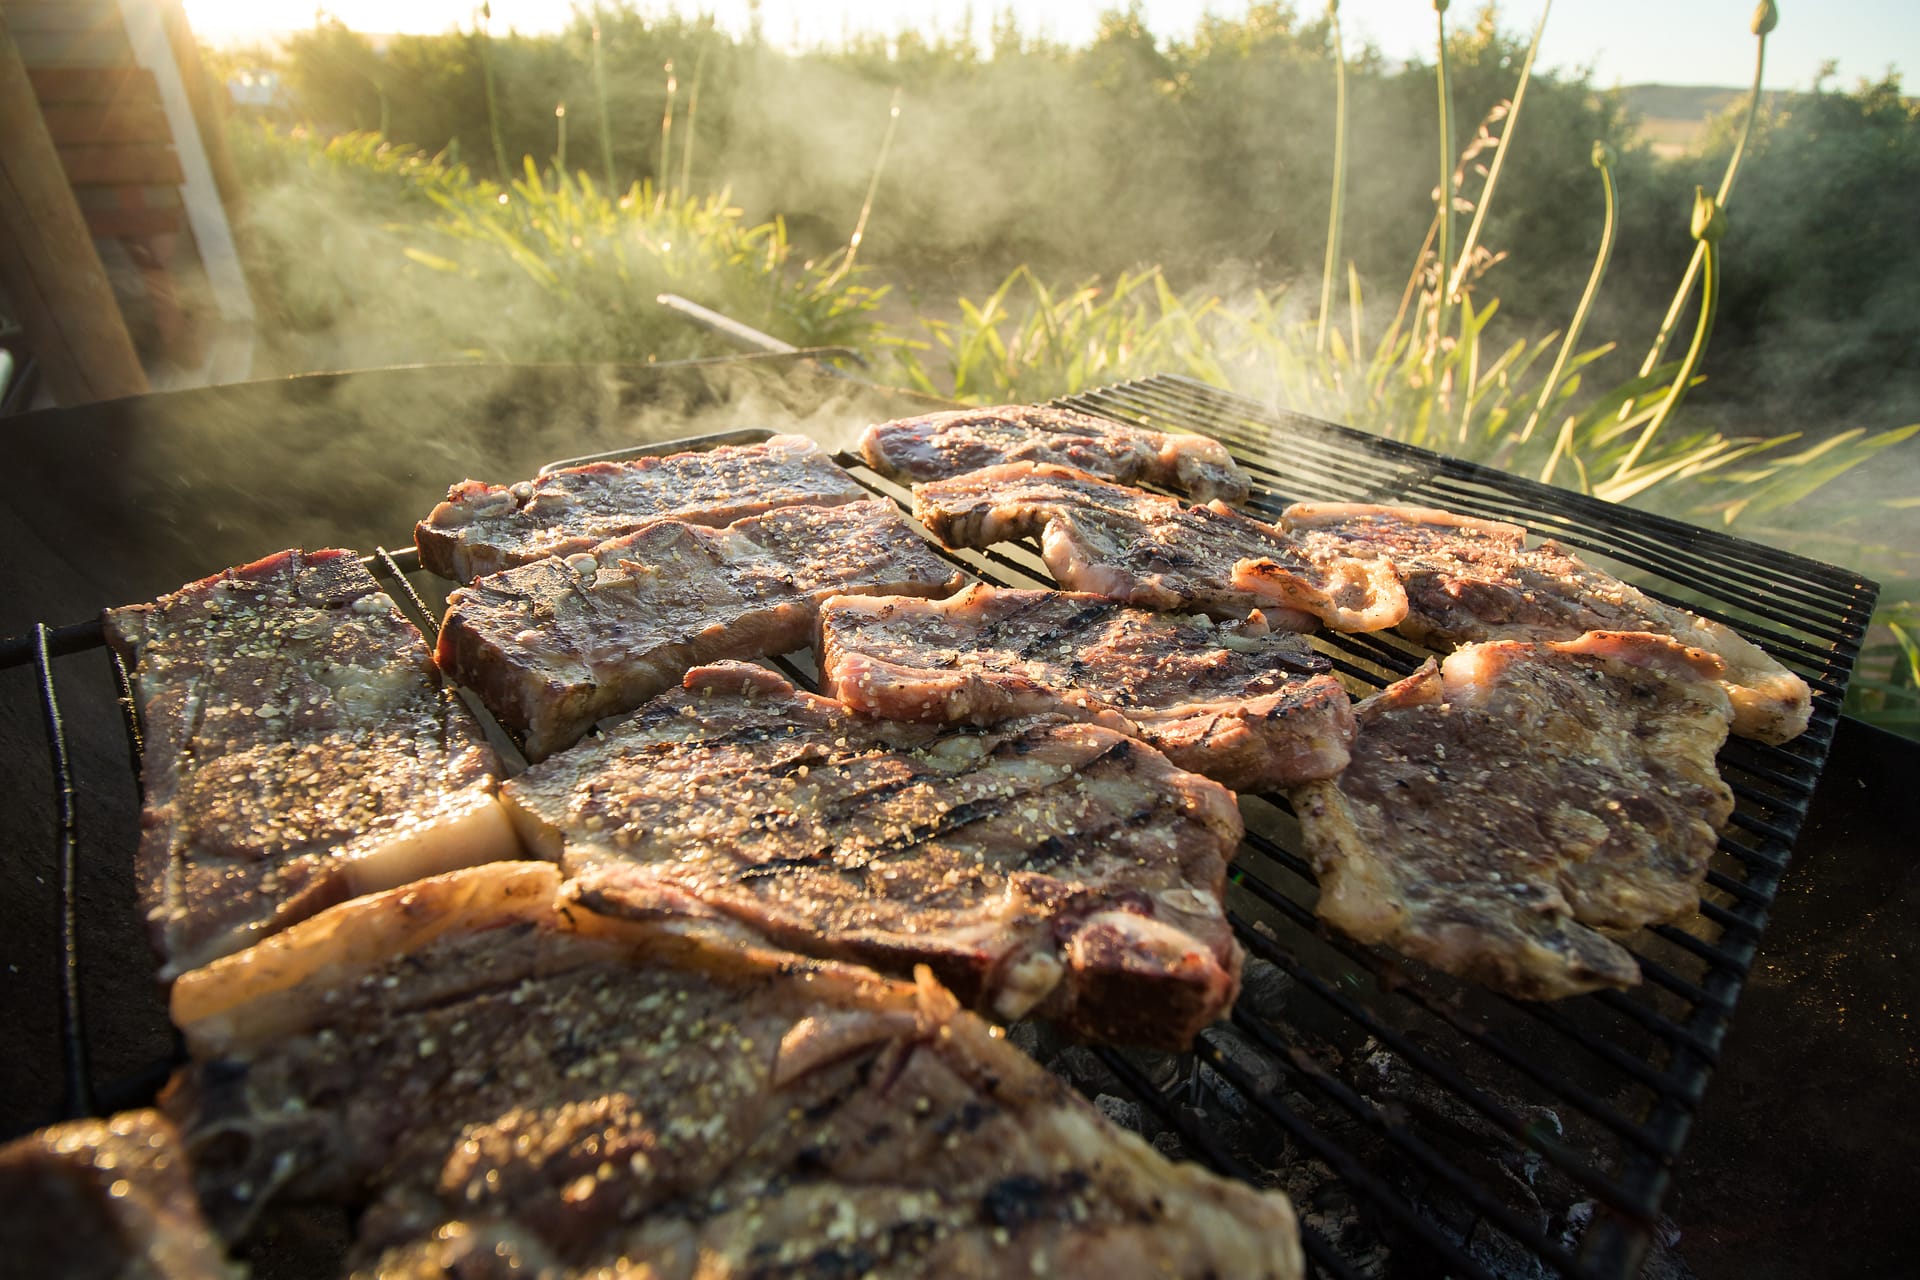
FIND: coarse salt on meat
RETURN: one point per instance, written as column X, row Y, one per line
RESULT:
column 298, row 750
column 484, row 528
column 1028, row 864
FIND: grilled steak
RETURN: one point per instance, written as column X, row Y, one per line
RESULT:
column 939, row 446
column 1504, row 806
column 299, row 750
column 1143, row 549
column 1243, row 705
column 553, row 646
column 1056, row 868
column 484, row 528
column 104, row 1198
column 547, row 1090
column 1469, row 580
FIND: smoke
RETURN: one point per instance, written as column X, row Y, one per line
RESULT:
column 1207, row 159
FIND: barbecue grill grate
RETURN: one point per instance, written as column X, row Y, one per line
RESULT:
column 1420, row 1124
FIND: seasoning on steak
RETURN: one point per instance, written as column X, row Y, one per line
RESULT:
column 1470, row 580
column 484, row 528
column 1057, row 868
column 939, row 446
column 553, row 646
column 539, row 1086
column 1244, row 705
column 105, row 1198
column 298, row 750
column 1146, row 550
column 1505, row 806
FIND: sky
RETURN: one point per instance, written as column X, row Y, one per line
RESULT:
column 1701, row 42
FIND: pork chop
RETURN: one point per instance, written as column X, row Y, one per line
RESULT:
column 1147, row 550
column 1249, row 707
column 1060, row 869
column 939, row 446
column 1506, row 805
column 553, row 646
column 299, row 750
column 534, row 1089
column 484, row 528
column 1468, row 580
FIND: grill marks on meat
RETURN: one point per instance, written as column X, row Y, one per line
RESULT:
column 1146, row 550
column 1061, row 869
column 1468, row 580
column 299, row 750
column 484, row 528
column 553, row 646
column 1243, row 705
column 105, row 1197
column 1503, row 808
column 939, row 446
column 554, row 1089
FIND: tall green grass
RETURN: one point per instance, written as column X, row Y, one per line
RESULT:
column 423, row 260
column 385, row 254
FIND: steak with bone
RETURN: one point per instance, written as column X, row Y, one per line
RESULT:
column 1505, row 806
column 1059, row 869
column 553, row 646
column 503, row 1084
column 939, row 446
column 1146, row 550
column 105, row 1198
column 298, row 750
column 484, row 528
column 1466, row 580
column 1249, row 707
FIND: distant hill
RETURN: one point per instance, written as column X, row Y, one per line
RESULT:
column 1673, row 117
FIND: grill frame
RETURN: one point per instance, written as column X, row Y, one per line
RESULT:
column 1661, row 1042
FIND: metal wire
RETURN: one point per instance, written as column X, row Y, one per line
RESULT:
column 73, row 1024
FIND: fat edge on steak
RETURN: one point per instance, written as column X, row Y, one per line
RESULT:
column 497, row 1078
column 298, row 750
column 1055, row 868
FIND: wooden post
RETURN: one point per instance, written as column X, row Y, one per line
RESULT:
column 209, row 105
column 48, row 266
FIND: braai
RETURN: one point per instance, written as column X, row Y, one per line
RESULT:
column 299, row 750
column 1468, row 580
column 548, row 1092
column 1504, row 807
column 484, row 528
column 939, row 446
column 553, row 646
column 1246, row 706
column 1054, row 868
column 1144, row 549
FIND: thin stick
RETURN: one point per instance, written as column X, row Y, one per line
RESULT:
column 693, row 104
column 1603, row 161
column 666, row 142
column 1339, row 177
column 1708, row 226
column 1764, row 19
column 873, row 188
column 1446, row 182
column 1499, row 154
column 606, row 120
column 493, row 108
